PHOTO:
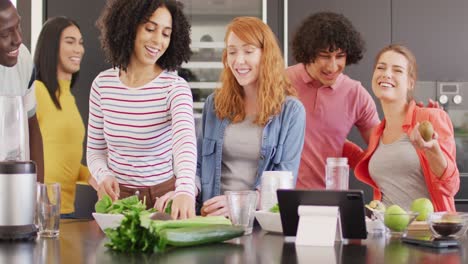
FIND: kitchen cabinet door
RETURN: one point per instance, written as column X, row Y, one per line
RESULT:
column 437, row 32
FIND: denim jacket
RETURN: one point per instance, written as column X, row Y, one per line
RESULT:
column 282, row 142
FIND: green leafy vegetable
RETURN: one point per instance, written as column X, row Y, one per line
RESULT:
column 103, row 205
column 106, row 206
column 139, row 233
column 275, row 208
column 168, row 209
column 130, row 236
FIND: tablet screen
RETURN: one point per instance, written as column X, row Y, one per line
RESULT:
column 350, row 203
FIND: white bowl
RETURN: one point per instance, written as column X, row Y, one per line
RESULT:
column 374, row 226
column 108, row 220
column 269, row 221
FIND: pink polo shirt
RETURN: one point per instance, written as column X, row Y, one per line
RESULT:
column 331, row 112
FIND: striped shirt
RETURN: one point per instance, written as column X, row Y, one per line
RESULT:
column 142, row 136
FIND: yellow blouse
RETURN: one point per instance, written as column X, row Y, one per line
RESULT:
column 63, row 133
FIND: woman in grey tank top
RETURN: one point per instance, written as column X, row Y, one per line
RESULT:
column 399, row 164
column 253, row 122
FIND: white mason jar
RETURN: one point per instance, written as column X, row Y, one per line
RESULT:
column 337, row 174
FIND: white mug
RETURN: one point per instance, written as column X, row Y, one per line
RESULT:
column 271, row 181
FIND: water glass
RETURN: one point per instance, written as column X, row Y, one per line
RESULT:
column 242, row 205
column 48, row 209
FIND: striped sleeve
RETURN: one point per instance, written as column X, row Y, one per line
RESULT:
column 180, row 106
column 96, row 150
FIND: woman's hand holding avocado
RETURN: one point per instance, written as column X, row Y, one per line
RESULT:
column 425, row 137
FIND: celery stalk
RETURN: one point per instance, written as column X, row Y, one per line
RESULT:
column 198, row 221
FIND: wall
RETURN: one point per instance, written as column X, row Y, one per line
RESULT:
column 24, row 9
column 438, row 35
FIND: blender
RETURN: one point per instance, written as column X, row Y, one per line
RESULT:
column 17, row 173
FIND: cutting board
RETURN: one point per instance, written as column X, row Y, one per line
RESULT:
column 418, row 226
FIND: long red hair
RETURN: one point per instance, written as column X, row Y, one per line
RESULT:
column 273, row 84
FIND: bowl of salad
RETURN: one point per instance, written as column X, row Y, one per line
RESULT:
column 109, row 214
column 108, row 220
column 270, row 220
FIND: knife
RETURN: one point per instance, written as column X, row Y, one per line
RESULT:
column 160, row 216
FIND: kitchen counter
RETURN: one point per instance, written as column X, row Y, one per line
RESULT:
column 81, row 241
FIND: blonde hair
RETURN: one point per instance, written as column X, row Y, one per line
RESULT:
column 412, row 65
column 273, row 85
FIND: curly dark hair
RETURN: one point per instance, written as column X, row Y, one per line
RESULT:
column 327, row 31
column 118, row 25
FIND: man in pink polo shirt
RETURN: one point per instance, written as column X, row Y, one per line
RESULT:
column 324, row 44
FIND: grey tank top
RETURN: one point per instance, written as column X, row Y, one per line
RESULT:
column 241, row 151
column 396, row 169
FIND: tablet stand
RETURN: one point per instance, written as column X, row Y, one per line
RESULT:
column 318, row 225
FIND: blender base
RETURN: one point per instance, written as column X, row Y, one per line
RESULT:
column 23, row 232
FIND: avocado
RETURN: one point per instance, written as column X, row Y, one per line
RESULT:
column 426, row 130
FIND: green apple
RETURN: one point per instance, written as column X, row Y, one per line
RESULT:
column 424, row 207
column 396, row 218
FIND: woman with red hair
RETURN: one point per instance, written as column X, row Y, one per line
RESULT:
column 253, row 123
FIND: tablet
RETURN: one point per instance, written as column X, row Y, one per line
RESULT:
column 350, row 203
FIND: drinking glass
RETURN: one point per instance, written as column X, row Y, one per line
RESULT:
column 242, row 205
column 48, row 209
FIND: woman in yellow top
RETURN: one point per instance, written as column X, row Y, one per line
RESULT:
column 61, row 125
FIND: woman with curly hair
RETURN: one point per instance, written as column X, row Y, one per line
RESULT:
column 253, row 123
column 60, row 121
column 323, row 46
column 141, row 133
